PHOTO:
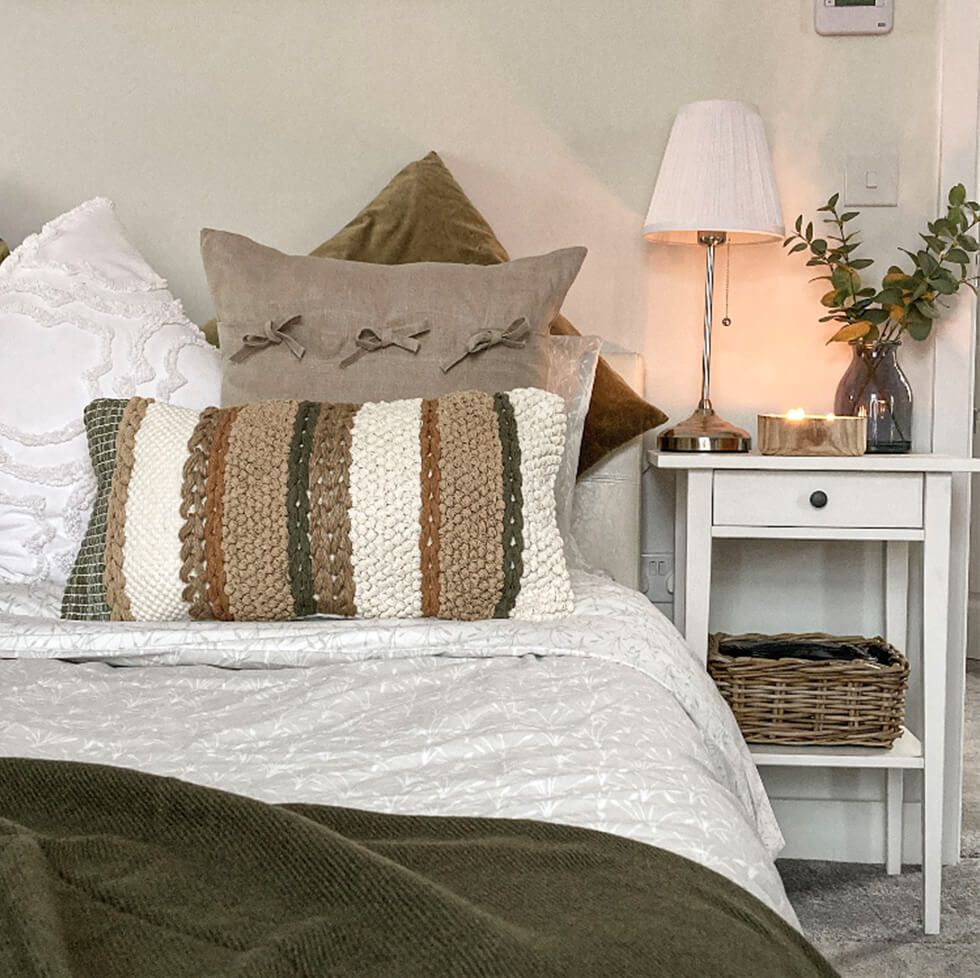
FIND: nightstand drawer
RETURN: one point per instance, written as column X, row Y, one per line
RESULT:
column 888, row 499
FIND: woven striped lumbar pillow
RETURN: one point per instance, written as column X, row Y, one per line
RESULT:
column 282, row 509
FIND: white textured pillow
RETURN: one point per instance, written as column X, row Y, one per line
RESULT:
column 82, row 315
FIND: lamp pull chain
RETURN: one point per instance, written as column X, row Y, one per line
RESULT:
column 727, row 321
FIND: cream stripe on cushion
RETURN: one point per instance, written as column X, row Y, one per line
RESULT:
column 545, row 590
column 385, row 493
column 151, row 556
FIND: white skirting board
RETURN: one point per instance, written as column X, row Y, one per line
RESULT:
column 839, row 815
column 844, row 831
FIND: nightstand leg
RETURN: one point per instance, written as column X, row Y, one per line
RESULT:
column 697, row 563
column 897, row 594
column 895, row 801
column 935, row 603
column 680, row 549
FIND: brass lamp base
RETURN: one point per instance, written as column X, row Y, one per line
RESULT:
column 704, row 431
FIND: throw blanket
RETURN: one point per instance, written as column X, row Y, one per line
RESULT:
column 112, row 873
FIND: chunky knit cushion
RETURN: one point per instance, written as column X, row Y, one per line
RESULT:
column 282, row 509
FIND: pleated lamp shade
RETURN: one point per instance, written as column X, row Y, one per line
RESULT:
column 716, row 175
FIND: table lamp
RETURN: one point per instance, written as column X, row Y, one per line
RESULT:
column 715, row 186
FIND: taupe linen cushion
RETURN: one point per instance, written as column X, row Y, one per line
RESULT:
column 324, row 329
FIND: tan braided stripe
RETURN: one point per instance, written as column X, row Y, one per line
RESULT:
column 429, row 516
column 214, row 497
column 84, row 597
column 333, row 570
column 115, row 579
column 471, row 507
column 255, row 526
column 193, row 569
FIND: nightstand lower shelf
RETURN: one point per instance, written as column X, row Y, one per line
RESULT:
column 904, row 754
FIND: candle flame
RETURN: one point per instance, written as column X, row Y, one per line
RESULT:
column 796, row 414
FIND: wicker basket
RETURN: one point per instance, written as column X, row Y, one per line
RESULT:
column 796, row 701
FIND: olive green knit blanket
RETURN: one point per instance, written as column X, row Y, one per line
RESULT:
column 110, row 873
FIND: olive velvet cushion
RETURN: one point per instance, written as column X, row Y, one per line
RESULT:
column 424, row 215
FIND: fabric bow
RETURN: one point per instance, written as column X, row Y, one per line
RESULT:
column 370, row 340
column 272, row 334
column 514, row 336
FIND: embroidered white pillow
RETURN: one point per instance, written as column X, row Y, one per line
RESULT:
column 82, row 315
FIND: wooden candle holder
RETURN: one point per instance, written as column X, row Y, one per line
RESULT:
column 812, row 434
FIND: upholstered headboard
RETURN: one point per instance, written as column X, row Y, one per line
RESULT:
column 606, row 515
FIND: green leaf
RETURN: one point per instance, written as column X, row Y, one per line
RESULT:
column 799, row 224
column 816, row 261
column 920, row 290
column 928, row 309
column 957, row 196
column 967, row 242
column 889, row 297
column 789, row 240
column 845, row 278
column 862, row 263
column 945, row 286
column 818, row 246
column 808, row 234
column 876, row 316
column 832, row 203
column 936, row 244
column 830, row 299
column 958, row 255
column 849, row 216
column 919, row 330
column 798, row 247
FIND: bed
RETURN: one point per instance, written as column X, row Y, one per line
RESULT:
column 601, row 727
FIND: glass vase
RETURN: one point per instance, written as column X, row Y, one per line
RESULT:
column 875, row 387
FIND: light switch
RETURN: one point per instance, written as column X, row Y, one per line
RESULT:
column 871, row 181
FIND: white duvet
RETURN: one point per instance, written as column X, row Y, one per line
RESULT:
column 604, row 719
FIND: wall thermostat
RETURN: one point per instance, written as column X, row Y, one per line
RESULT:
column 854, row 16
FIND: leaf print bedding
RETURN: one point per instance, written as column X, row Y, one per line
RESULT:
column 603, row 719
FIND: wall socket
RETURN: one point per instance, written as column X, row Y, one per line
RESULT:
column 658, row 577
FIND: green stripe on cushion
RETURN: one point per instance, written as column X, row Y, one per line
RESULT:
column 513, row 523
column 85, row 594
column 298, row 502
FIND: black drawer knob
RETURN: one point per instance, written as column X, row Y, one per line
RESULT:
column 818, row 499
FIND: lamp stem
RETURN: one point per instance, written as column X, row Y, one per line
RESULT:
column 710, row 240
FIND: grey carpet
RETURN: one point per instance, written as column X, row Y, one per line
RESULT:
column 867, row 923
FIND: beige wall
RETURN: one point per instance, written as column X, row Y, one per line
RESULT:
column 280, row 120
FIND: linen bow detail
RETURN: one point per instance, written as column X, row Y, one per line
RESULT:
column 273, row 334
column 370, row 340
column 514, row 336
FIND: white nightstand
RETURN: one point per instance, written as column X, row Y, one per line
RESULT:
column 747, row 496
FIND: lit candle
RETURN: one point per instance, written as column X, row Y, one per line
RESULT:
column 799, row 433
